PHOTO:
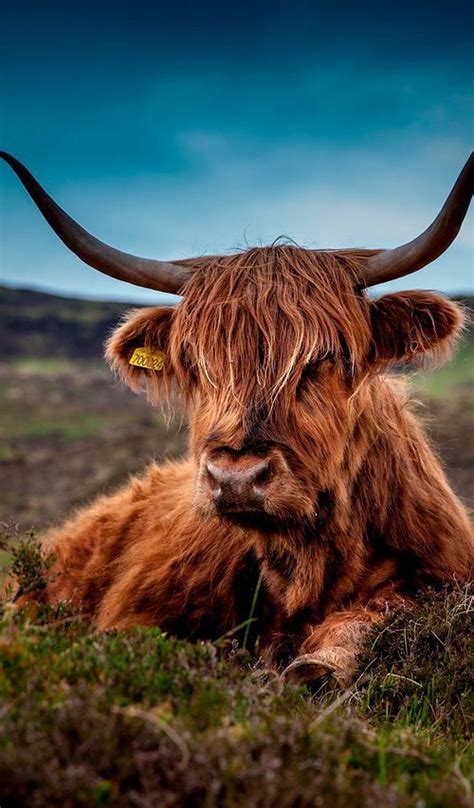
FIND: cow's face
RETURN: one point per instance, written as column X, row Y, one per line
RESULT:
column 277, row 357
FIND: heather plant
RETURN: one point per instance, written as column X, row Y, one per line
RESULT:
column 140, row 718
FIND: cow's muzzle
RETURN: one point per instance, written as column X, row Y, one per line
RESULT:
column 236, row 482
column 252, row 487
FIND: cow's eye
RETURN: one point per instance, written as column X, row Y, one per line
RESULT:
column 312, row 370
column 309, row 372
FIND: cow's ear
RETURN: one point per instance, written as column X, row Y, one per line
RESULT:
column 138, row 350
column 414, row 327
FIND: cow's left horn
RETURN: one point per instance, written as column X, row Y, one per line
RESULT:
column 391, row 264
column 160, row 275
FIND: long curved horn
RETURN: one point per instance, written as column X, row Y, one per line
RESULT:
column 160, row 275
column 391, row 264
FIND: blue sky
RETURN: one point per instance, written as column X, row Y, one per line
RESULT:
column 203, row 127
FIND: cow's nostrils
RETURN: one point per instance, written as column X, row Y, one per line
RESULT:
column 237, row 485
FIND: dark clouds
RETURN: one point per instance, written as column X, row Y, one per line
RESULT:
column 188, row 127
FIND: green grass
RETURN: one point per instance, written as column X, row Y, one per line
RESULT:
column 44, row 367
column 5, row 559
column 44, row 424
column 456, row 374
column 138, row 717
column 50, row 425
column 55, row 366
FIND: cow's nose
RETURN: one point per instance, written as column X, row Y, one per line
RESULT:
column 238, row 484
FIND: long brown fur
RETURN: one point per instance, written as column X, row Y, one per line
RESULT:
column 276, row 348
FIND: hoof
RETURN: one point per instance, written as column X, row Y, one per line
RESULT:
column 335, row 663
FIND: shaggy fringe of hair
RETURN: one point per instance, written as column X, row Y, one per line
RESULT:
column 273, row 310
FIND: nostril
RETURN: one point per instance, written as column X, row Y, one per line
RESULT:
column 262, row 476
column 239, row 483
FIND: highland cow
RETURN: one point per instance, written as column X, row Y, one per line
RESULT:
column 307, row 469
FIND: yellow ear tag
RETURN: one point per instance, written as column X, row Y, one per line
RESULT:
column 150, row 360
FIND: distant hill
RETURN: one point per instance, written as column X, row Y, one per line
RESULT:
column 44, row 325
column 35, row 324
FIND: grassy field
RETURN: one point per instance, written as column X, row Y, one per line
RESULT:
column 456, row 376
column 139, row 718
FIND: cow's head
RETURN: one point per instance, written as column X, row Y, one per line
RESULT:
column 276, row 353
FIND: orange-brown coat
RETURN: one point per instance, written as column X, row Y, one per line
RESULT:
column 276, row 354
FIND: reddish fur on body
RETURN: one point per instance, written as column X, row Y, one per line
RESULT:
column 275, row 347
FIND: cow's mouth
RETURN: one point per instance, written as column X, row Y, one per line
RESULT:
column 252, row 520
column 255, row 520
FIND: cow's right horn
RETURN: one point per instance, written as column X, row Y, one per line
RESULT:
column 388, row 265
column 160, row 275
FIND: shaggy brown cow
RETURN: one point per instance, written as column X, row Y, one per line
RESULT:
column 306, row 461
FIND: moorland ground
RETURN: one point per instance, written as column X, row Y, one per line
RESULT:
column 138, row 718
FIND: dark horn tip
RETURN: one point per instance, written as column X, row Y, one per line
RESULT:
column 433, row 242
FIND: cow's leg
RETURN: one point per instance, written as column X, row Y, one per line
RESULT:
column 333, row 647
